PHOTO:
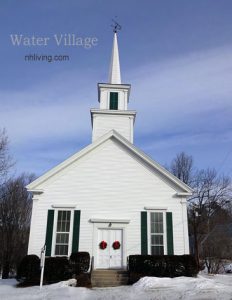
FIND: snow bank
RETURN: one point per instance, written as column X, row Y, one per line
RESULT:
column 70, row 282
column 201, row 287
column 216, row 287
column 154, row 282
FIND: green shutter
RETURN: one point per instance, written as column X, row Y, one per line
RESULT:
column 49, row 232
column 76, row 230
column 113, row 100
column 169, row 225
column 144, row 249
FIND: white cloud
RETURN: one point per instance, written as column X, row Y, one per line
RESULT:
column 187, row 97
column 55, row 110
column 183, row 92
column 192, row 140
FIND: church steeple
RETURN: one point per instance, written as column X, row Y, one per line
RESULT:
column 113, row 97
column 114, row 72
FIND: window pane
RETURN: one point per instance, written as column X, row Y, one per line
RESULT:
column 61, row 250
column 157, row 250
column 158, row 227
column 157, row 239
column 152, row 217
column 62, row 238
column 61, row 226
column 157, row 217
column 67, row 224
column 58, row 238
column 58, row 226
column 59, row 215
column 65, row 238
column 68, row 215
column 160, row 217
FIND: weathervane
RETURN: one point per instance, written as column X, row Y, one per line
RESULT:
column 116, row 26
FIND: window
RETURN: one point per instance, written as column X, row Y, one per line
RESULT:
column 62, row 232
column 113, row 100
column 157, row 233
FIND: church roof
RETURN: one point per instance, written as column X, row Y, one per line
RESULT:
column 36, row 184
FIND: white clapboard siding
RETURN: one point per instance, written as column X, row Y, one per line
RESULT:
column 108, row 182
column 103, row 123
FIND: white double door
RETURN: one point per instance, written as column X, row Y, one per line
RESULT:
column 109, row 258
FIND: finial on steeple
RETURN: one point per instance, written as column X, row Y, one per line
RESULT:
column 114, row 73
column 116, row 26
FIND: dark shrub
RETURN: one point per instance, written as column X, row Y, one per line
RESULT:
column 79, row 262
column 161, row 266
column 56, row 269
column 28, row 272
column 83, row 280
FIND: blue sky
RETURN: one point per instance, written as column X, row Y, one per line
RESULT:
column 176, row 54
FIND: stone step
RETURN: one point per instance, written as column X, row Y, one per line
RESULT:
column 103, row 271
column 106, row 284
column 105, row 274
column 109, row 278
column 109, row 275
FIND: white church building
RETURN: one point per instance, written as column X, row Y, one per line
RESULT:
column 110, row 199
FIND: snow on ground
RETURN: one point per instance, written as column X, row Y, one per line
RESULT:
column 218, row 287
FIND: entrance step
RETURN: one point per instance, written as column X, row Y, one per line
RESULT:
column 109, row 278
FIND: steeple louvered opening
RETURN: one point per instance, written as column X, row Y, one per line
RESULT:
column 113, row 100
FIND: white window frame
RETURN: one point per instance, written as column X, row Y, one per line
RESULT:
column 55, row 231
column 149, row 229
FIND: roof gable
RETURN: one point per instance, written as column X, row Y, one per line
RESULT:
column 36, row 185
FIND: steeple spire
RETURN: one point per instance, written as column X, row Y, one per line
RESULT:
column 113, row 113
column 114, row 73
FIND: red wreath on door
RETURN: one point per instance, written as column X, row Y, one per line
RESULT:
column 116, row 245
column 103, row 245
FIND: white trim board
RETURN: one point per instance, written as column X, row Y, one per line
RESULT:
column 155, row 208
column 97, row 220
column 64, row 205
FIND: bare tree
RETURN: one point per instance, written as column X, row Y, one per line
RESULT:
column 182, row 167
column 207, row 208
column 216, row 248
column 211, row 191
column 15, row 213
column 5, row 158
